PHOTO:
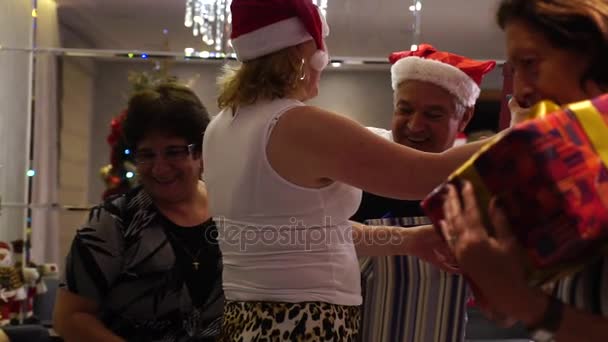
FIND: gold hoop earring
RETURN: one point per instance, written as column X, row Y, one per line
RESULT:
column 303, row 75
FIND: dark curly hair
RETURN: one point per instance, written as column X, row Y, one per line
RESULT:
column 169, row 108
column 576, row 25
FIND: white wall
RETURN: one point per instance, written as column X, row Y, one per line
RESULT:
column 75, row 133
column 15, row 23
column 45, row 220
column 16, row 122
column 363, row 95
column 76, row 108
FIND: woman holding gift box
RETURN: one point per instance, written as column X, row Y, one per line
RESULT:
column 559, row 51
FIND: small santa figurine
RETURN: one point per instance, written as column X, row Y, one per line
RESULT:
column 33, row 278
column 12, row 291
column 30, row 277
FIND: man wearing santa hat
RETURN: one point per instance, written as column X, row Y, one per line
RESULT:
column 434, row 98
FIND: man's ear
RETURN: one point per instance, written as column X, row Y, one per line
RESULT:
column 466, row 118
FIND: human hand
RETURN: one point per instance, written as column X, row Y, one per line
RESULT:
column 495, row 264
column 519, row 114
column 429, row 246
column 5, row 295
column 500, row 319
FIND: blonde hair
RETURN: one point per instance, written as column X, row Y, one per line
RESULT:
column 268, row 77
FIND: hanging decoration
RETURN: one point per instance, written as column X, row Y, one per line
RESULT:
column 416, row 9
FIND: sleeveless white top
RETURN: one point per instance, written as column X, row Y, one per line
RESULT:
column 279, row 241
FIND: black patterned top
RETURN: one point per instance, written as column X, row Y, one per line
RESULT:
column 128, row 259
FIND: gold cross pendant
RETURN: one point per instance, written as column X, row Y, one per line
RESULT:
column 195, row 265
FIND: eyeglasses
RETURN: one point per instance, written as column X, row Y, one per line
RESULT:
column 170, row 154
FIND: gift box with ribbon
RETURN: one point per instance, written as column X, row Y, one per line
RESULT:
column 550, row 175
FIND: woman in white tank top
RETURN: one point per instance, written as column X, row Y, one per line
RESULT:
column 283, row 179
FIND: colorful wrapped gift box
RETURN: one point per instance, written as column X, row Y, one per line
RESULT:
column 550, row 175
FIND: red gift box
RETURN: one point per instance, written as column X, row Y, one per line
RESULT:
column 550, row 175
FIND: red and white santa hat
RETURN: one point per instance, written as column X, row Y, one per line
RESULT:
column 5, row 250
column 5, row 245
column 459, row 75
column 261, row 27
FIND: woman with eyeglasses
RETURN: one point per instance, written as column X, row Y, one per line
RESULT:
column 146, row 266
column 558, row 50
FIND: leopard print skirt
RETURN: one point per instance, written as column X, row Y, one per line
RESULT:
column 275, row 321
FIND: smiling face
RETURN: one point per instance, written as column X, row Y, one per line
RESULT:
column 167, row 168
column 427, row 117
